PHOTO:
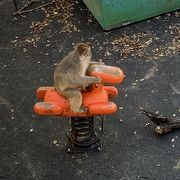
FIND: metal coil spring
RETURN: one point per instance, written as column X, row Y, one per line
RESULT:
column 82, row 131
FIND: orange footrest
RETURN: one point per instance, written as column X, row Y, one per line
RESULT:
column 40, row 93
column 44, row 108
column 96, row 101
column 102, row 108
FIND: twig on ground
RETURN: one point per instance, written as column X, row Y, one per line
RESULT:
column 15, row 5
column 164, row 124
column 22, row 11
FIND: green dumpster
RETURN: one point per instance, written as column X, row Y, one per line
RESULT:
column 115, row 13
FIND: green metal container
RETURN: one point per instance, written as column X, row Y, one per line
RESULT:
column 115, row 13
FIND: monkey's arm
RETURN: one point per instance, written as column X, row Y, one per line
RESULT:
column 95, row 62
column 87, row 80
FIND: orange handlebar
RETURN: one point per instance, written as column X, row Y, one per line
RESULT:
column 109, row 74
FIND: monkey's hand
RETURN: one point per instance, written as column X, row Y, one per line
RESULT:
column 87, row 80
column 89, row 87
column 100, row 62
column 97, row 80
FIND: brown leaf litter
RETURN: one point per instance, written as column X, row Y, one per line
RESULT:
column 146, row 44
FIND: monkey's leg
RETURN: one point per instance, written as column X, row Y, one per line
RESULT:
column 75, row 100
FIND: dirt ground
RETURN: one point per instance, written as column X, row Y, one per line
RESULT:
column 32, row 147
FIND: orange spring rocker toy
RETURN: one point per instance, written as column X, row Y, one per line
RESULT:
column 82, row 137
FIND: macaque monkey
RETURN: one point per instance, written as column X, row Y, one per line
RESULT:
column 70, row 76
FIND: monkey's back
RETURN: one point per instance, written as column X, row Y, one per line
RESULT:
column 66, row 72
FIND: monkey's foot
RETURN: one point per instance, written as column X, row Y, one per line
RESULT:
column 82, row 109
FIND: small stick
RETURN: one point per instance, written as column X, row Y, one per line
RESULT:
column 102, row 124
column 164, row 124
column 15, row 4
column 23, row 7
column 20, row 12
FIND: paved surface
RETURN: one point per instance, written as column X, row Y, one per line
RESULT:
column 131, row 151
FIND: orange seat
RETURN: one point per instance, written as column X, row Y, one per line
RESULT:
column 96, row 101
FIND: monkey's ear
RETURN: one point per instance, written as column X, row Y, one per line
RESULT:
column 82, row 49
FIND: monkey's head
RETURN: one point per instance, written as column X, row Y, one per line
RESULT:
column 84, row 50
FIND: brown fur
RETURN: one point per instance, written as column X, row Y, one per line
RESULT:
column 70, row 78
